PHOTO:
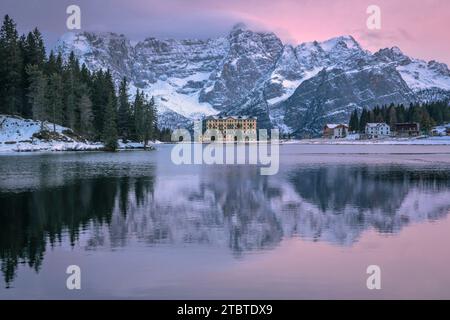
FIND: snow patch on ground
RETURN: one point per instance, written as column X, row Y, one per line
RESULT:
column 16, row 135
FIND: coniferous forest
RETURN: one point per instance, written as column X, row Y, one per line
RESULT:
column 61, row 91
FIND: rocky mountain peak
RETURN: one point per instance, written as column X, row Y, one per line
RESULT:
column 440, row 68
column 393, row 54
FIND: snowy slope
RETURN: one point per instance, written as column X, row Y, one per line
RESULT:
column 20, row 135
column 418, row 74
column 16, row 134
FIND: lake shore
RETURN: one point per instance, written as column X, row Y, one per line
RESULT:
column 424, row 140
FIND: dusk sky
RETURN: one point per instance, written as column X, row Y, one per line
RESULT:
column 419, row 27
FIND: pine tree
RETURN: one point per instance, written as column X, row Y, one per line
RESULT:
column 392, row 116
column 401, row 114
column 148, row 125
column 354, row 121
column 371, row 116
column 33, row 53
column 86, row 116
column 86, row 76
column 11, row 72
column 98, row 101
column 364, row 119
column 55, row 100
column 102, row 90
column 155, row 119
column 50, row 65
column 71, row 93
column 109, row 127
column 34, row 49
column 70, row 103
column 426, row 123
column 37, row 94
column 138, row 114
column 124, row 113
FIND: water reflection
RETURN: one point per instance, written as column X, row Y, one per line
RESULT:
column 30, row 220
column 337, row 203
column 229, row 206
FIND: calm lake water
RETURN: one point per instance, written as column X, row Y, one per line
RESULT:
column 141, row 227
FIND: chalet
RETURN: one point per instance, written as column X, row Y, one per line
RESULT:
column 377, row 130
column 335, row 131
column 409, row 129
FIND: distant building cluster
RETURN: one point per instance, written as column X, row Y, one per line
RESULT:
column 230, row 128
column 379, row 130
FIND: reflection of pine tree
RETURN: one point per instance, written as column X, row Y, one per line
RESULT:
column 33, row 220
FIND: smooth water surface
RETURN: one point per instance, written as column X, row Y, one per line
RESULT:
column 141, row 227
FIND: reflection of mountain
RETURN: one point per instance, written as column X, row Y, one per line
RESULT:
column 337, row 203
column 230, row 206
column 225, row 206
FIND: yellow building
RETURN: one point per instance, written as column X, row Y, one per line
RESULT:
column 230, row 128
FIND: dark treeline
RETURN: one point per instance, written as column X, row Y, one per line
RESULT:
column 60, row 91
column 427, row 114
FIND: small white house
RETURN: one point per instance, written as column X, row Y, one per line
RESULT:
column 378, row 130
column 443, row 130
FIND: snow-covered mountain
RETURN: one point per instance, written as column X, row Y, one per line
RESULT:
column 297, row 89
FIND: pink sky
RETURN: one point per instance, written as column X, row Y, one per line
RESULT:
column 419, row 27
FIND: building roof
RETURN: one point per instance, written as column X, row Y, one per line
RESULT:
column 376, row 124
column 335, row 125
column 406, row 123
column 442, row 128
column 230, row 117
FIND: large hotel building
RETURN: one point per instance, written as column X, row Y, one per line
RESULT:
column 230, row 128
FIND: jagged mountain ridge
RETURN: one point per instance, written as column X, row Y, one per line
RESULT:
column 295, row 88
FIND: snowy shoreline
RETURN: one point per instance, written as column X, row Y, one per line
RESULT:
column 22, row 135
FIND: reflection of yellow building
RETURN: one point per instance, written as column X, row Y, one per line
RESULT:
column 230, row 128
